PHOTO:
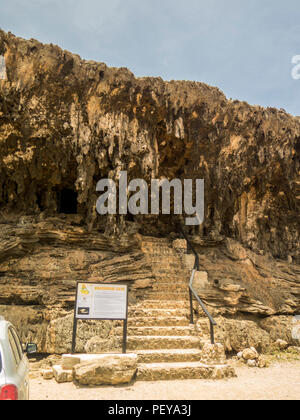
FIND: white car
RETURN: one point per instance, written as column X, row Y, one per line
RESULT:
column 14, row 365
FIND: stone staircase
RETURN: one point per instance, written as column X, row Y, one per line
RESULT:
column 159, row 330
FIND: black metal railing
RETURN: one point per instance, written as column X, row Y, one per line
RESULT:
column 192, row 291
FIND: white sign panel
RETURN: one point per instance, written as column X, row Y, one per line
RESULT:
column 101, row 301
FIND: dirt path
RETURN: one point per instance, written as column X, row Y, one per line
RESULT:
column 279, row 382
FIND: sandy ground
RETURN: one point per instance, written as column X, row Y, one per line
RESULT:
column 281, row 381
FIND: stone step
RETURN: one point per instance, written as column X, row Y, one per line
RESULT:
column 158, row 343
column 170, row 272
column 165, row 246
column 156, row 245
column 169, row 356
column 166, row 295
column 160, row 266
column 159, row 331
column 164, row 304
column 135, row 312
column 165, row 259
column 162, row 244
column 181, row 371
column 170, row 282
column 170, row 286
column 159, row 321
column 181, row 277
column 153, row 239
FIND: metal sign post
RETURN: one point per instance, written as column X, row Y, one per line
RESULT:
column 101, row 302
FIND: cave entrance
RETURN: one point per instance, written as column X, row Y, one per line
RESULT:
column 67, row 201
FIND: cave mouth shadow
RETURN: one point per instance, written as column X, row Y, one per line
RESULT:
column 67, row 201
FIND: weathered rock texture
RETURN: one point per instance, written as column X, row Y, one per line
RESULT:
column 108, row 370
column 66, row 123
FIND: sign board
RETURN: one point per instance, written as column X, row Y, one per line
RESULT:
column 99, row 301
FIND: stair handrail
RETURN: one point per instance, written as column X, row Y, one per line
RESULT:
column 193, row 292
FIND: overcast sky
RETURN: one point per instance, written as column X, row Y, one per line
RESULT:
column 245, row 47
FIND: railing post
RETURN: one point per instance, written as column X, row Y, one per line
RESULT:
column 188, row 248
column 212, row 333
column 191, row 307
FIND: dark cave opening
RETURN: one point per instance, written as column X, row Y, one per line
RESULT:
column 67, row 201
column 129, row 217
column 39, row 201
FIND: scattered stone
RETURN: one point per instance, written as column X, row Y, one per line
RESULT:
column 251, row 363
column 250, row 354
column 107, row 370
column 281, row 344
column 240, row 355
column 47, row 374
column 261, row 362
column 62, row 376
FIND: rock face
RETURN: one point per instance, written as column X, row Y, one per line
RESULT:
column 66, row 123
column 248, row 282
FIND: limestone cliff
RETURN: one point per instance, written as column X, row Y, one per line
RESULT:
column 65, row 123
